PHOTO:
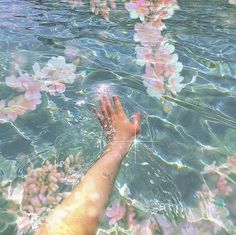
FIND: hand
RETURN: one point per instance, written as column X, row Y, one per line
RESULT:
column 116, row 125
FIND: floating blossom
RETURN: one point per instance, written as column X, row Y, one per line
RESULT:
column 56, row 70
column 55, row 74
column 154, row 82
column 16, row 107
column 20, row 104
column 138, row 9
column 115, row 213
column 147, row 34
column 27, row 84
column 175, row 84
column 51, row 78
column 163, row 70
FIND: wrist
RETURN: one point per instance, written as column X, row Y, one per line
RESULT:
column 121, row 147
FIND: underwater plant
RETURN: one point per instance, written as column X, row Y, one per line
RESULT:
column 30, row 200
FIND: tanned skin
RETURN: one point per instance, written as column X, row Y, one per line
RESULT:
column 80, row 213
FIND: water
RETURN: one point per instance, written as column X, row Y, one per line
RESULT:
column 181, row 134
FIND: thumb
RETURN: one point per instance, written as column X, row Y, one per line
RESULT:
column 136, row 119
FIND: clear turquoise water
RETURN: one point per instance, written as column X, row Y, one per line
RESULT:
column 163, row 168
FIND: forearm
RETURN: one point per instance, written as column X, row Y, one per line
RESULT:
column 80, row 213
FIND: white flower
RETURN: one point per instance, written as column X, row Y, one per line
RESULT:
column 175, row 85
column 56, row 70
column 169, row 48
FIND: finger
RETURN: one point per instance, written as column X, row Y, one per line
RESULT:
column 110, row 109
column 99, row 116
column 103, row 107
column 118, row 105
column 136, row 120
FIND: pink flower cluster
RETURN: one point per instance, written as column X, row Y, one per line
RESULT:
column 115, row 213
column 43, row 188
column 162, row 66
column 40, row 188
column 52, row 78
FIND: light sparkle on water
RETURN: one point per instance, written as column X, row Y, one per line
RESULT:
column 103, row 89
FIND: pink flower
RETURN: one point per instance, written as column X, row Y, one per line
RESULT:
column 16, row 108
column 154, row 82
column 54, row 74
column 147, row 34
column 115, row 213
column 35, row 202
column 19, row 106
column 25, row 83
column 42, row 198
column 138, row 9
column 56, row 87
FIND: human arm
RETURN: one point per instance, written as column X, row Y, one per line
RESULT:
column 80, row 213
